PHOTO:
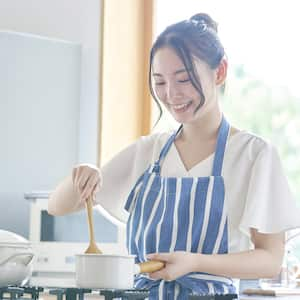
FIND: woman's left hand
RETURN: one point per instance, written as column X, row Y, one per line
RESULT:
column 177, row 264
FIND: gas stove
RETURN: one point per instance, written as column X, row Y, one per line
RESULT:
column 33, row 292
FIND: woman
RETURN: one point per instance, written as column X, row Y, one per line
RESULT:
column 209, row 200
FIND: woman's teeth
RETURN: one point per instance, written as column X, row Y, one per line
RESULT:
column 181, row 107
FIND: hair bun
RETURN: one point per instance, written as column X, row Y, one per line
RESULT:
column 202, row 17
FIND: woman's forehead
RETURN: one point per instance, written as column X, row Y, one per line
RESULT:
column 166, row 61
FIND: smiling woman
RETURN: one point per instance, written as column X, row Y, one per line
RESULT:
column 200, row 43
column 208, row 200
column 175, row 88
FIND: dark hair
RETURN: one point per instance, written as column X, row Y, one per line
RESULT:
column 194, row 37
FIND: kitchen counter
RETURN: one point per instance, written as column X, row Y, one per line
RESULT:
column 281, row 294
column 290, row 297
column 241, row 297
column 253, row 286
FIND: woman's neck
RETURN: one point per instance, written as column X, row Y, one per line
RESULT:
column 205, row 128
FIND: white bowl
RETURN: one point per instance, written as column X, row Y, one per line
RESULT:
column 16, row 257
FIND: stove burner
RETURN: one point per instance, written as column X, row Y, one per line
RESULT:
column 25, row 293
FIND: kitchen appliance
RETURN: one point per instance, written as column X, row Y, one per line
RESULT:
column 56, row 240
column 14, row 293
column 110, row 271
column 39, row 77
column 15, row 259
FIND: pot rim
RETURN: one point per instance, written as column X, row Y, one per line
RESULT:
column 14, row 245
column 11, row 238
column 104, row 255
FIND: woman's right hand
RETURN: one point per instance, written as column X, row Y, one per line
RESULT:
column 87, row 180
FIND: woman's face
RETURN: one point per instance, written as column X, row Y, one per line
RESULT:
column 174, row 89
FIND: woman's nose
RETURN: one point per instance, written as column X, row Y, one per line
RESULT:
column 172, row 91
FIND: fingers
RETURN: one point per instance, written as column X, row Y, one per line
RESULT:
column 88, row 187
column 162, row 257
column 166, row 257
column 157, row 256
column 161, row 274
column 96, row 189
column 86, row 181
column 165, row 273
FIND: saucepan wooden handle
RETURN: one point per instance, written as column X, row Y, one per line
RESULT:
column 259, row 292
column 151, row 266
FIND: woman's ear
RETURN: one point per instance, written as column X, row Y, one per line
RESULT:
column 221, row 72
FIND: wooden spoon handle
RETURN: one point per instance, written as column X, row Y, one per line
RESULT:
column 89, row 207
column 151, row 266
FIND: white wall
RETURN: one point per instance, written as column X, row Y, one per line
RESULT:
column 76, row 21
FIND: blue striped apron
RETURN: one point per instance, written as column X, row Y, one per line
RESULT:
column 170, row 214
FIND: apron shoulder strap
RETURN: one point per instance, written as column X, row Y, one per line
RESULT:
column 220, row 147
column 165, row 150
column 219, row 153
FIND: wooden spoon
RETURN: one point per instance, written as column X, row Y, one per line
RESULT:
column 92, row 248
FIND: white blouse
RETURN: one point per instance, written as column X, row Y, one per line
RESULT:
column 257, row 194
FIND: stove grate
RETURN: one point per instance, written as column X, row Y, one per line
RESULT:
column 134, row 294
column 70, row 293
column 214, row 297
column 14, row 292
column 25, row 293
column 144, row 294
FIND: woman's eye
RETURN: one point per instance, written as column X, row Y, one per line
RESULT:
column 184, row 80
column 159, row 83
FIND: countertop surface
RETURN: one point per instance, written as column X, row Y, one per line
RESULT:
column 290, row 297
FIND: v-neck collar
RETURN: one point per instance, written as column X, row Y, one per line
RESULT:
column 200, row 164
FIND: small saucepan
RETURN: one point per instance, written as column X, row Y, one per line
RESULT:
column 110, row 271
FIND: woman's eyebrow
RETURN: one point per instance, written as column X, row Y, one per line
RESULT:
column 176, row 72
column 180, row 71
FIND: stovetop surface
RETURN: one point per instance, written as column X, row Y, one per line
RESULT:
column 33, row 292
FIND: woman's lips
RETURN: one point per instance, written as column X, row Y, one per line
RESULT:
column 180, row 107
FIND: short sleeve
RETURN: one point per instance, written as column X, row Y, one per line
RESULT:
column 120, row 175
column 270, row 207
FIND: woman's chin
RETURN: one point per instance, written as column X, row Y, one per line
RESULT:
column 183, row 120
column 186, row 117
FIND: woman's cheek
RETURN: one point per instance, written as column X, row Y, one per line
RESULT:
column 160, row 94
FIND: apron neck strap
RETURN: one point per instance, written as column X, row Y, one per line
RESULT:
column 169, row 143
column 219, row 153
column 164, row 151
column 220, row 147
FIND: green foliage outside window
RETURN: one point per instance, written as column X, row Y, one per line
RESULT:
column 269, row 111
